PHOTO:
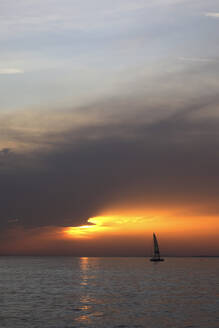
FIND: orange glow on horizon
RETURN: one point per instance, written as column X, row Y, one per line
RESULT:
column 124, row 225
column 124, row 233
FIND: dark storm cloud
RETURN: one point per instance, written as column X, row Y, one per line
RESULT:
column 170, row 161
column 4, row 152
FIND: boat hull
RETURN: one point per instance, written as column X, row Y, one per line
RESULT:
column 156, row 260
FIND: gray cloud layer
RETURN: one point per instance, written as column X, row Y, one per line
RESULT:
column 125, row 155
column 144, row 76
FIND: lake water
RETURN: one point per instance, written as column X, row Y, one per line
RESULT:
column 64, row 292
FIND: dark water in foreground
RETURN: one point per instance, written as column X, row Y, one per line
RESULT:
column 69, row 292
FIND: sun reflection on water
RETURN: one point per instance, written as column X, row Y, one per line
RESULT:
column 85, row 300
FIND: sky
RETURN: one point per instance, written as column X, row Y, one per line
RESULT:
column 109, row 127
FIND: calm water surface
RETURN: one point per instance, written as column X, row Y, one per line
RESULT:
column 64, row 292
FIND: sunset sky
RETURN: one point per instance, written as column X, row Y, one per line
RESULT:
column 109, row 127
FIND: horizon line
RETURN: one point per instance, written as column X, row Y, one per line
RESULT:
column 104, row 256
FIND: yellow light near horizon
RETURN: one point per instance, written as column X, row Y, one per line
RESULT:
column 130, row 225
column 85, row 231
column 115, row 225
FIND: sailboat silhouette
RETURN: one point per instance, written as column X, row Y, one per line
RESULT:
column 156, row 257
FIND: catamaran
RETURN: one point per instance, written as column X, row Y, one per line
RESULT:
column 156, row 257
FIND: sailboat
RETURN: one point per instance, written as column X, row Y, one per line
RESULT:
column 156, row 257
